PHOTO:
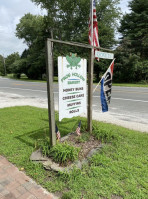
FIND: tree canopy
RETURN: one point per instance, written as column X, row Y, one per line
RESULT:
column 68, row 20
column 132, row 64
column 134, row 27
column 65, row 20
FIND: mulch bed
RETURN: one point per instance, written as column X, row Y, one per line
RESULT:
column 86, row 147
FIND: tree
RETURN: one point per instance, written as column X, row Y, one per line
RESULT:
column 66, row 20
column 132, row 52
column 134, row 27
column 31, row 29
column 2, row 71
column 69, row 19
column 10, row 59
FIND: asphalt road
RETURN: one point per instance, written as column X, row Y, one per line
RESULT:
column 127, row 104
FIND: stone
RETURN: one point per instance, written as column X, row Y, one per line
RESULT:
column 38, row 156
column 94, row 151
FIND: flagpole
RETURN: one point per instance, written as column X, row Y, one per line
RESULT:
column 90, row 75
column 102, row 76
column 97, row 86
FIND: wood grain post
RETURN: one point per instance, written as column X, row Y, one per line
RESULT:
column 49, row 72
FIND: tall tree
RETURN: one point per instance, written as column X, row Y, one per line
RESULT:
column 134, row 27
column 10, row 59
column 132, row 52
column 68, row 20
column 2, row 70
column 32, row 29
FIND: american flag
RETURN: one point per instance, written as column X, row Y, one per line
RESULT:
column 95, row 28
column 58, row 135
column 78, row 129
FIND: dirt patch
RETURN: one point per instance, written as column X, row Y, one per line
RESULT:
column 86, row 146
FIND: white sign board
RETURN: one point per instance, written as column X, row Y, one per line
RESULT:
column 72, row 86
column 104, row 55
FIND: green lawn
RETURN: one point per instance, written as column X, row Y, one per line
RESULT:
column 119, row 170
column 130, row 84
column 24, row 78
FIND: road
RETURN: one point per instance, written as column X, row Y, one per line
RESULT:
column 129, row 105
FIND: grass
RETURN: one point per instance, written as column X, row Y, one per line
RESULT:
column 25, row 78
column 131, row 84
column 119, row 170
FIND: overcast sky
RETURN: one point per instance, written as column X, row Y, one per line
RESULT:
column 11, row 12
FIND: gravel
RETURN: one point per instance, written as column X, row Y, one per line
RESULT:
column 9, row 100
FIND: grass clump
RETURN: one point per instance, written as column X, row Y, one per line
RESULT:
column 68, row 195
column 61, row 152
column 104, row 134
column 83, row 138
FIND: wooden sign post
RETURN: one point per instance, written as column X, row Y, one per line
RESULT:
column 49, row 66
column 51, row 113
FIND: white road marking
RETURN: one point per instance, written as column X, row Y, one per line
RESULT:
column 24, row 89
column 57, row 92
column 126, row 99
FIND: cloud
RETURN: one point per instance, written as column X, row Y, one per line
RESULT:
column 11, row 12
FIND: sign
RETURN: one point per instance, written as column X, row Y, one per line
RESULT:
column 104, row 55
column 72, row 86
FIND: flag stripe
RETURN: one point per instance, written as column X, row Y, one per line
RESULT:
column 95, row 29
column 106, row 86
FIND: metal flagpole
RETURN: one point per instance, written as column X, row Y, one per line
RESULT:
column 90, row 75
column 97, row 85
column 102, row 76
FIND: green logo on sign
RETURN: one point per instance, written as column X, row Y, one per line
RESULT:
column 73, row 61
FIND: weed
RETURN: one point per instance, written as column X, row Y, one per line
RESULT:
column 68, row 195
column 83, row 138
column 104, row 134
column 63, row 152
column 44, row 145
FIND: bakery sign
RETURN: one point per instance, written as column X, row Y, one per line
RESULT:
column 72, row 86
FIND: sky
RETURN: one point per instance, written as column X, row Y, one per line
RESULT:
column 11, row 11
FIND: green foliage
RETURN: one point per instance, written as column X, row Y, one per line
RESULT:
column 83, row 138
column 133, row 27
column 65, row 20
column 44, row 145
column 103, row 134
column 100, row 160
column 30, row 28
column 2, row 72
column 10, row 59
column 68, row 195
column 117, row 171
column 63, row 152
column 131, row 62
